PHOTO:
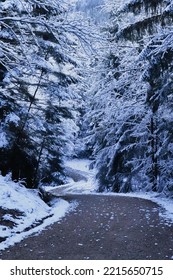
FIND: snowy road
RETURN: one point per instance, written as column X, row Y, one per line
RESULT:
column 101, row 227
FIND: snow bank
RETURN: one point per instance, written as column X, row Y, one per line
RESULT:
column 33, row 210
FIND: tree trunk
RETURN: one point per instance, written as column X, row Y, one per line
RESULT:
column 39, row 161
column 154, row 167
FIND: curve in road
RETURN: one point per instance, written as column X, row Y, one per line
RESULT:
column 101, row 227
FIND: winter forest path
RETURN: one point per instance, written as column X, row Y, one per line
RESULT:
column 101, row 227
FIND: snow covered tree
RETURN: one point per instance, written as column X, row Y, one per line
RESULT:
column 131, row 122
column 38, row 61
column 154, row 29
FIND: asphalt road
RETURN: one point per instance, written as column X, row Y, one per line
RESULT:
column 101, row 228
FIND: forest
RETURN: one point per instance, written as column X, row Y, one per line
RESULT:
column 87, row 79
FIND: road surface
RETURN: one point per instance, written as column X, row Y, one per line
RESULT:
column 101, row 228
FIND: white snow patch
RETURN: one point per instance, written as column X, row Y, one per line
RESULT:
column 3, row 140
column 79, row 164
column 13, row 118
column 82, row 167
column 32, row 208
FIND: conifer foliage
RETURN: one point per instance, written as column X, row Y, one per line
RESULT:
column 123, row 92
column 132, row 138
column 38, row 46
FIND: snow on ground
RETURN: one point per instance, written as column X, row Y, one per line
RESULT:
column 79, row 164
column 33, row 209
column 30, row 210
column 84, row 185
column 90, row 186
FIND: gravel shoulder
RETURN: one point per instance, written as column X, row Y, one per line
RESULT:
column 101, row 228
